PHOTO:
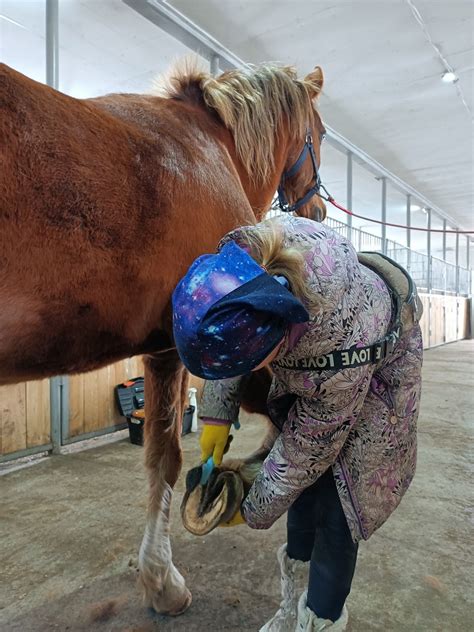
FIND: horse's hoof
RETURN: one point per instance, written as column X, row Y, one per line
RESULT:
column 204, row 507
column 176, row 609
column 184, row 606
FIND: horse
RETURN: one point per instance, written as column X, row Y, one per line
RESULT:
column 105, row 202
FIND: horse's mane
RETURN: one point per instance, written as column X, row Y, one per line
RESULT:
column 251, row 103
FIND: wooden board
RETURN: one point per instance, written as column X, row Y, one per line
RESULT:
column 451, row 303
column 437, row 316
column 92, row 405
column 464, row 307
column 445, row 319
column 38, row 413
column 425, row 320
column 24, row 416
column 12, row 418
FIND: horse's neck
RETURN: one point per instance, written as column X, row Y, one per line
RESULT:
column 260, row 196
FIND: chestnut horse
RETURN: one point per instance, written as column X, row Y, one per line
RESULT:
column 105, row 203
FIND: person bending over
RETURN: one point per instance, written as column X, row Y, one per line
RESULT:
column 345, row 350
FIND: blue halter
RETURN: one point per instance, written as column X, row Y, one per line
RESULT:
column 308, row 148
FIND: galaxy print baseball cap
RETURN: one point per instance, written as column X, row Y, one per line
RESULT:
column 229, row 314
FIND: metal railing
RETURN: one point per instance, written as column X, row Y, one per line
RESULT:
column 430, row 274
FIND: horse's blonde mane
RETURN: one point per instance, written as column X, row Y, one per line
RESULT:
column 251, row 103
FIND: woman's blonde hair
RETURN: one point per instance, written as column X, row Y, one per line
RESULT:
column 266, row 245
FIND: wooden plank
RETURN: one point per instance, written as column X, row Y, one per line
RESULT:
column 38, row 413
column 425, row 320
column 12, row 418
column 111, row 414
column 437, row 320
column 76, row 405
column 105, row 395
column 91, row 401
column 114, row 415
column 463, row 318
column 451, row 318
column 123, row 371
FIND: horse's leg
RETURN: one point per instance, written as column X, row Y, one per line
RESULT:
column 163, row 584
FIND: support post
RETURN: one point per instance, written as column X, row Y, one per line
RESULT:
column 52, row 79
column 445, row 226
column 384, row 215
column 408, row 222
column 52, row 44
column 214, row 65
column 428, row 250
column 55, row 394
column 429, row 273
column 349, row 195
column 457, row 264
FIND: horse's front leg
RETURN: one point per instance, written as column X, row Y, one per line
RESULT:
column 163, row 584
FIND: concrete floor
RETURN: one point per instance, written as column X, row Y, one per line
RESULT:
column 71, row 526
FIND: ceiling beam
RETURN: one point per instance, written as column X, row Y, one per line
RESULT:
column 181, row 28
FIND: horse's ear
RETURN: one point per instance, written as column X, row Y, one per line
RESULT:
column 314, row 82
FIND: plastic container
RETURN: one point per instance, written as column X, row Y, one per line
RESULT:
column 188, row 420
column 136, row 424
column 130, row 397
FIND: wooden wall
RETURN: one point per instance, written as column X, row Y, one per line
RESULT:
column 445, row 319
column 92, row 404
column 24, row 416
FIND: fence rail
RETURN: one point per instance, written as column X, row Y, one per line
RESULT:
column 431, row 275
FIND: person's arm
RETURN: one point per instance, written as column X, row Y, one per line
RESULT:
column 221, row 399
column 218, row 410
column 312, row 437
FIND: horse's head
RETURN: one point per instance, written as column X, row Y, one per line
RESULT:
column 299, row 182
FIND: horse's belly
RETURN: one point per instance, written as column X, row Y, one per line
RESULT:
column 40, row 340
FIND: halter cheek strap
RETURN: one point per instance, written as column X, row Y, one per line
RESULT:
column 308, row 148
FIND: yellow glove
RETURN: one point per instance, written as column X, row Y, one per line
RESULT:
column 235, row 521
column 213, row 442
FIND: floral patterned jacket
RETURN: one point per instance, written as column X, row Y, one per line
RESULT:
column 360, row 421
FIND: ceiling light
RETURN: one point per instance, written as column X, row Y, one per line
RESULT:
column 449, row 77
column 415, row 207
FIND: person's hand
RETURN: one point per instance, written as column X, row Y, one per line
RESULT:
column 214, row 440
column 234, row 521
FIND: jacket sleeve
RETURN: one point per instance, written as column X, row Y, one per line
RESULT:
column 310, row 442
column 221, row 399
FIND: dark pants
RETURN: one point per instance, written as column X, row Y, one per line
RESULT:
column 318, row 531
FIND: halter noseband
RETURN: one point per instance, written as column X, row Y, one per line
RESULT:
column 308, row 148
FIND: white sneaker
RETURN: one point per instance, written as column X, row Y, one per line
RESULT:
column 284, row 620
column 309, row 622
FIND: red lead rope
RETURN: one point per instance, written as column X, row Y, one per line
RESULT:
column 331, row 200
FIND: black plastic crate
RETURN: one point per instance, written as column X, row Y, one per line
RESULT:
column 187, row 420
column 136, row 426
column 131, row 402
column 130, row 397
